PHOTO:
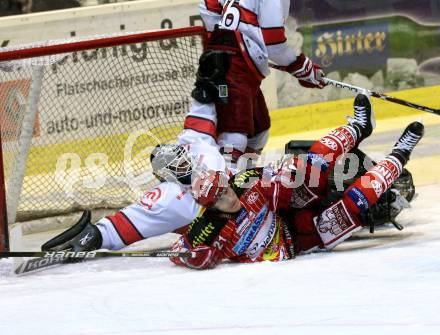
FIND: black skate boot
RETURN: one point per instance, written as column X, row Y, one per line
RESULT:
column 406, row 143
column 363, row 120
column 83, row 236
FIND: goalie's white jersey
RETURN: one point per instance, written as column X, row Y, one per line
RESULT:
column 161, row 210
column 260, row 29
column 168, row 206
column 199, row 136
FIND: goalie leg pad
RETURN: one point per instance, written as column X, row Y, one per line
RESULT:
column 335, row 224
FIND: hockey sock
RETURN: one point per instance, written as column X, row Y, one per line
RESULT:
column 366, row 190
column 324, row 153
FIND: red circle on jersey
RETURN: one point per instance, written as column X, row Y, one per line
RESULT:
column 151, row 197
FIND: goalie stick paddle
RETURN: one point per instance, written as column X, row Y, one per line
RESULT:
column 48, row 259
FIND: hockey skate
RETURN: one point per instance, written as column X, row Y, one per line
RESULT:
column 83, row 236
column 363, row 120
column 402, row 191
column 407, row 141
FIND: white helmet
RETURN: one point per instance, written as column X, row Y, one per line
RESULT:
column 172, row 163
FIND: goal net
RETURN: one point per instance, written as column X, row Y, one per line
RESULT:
column 79, row 118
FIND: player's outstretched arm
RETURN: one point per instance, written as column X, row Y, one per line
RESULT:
column 208, row 235
column 206, row 257
column 308, row 73
column 272, row 19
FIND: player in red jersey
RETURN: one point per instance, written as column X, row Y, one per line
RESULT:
column 246, row 223
column 249, row 226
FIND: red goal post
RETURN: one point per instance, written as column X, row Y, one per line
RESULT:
column 101, row 42
column 4, row 236
column 69, row 109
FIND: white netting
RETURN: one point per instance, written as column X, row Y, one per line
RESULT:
column 98, row 113
column 12, row 65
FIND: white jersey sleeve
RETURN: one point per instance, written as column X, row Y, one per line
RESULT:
column 211, row 12
column 200, row 136
column 207, row 155
column 161, row 210
column 272, row 18
column 261, row 24
column 201, row 118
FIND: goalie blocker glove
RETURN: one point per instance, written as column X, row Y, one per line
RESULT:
column 83, row 236
column 308, row 73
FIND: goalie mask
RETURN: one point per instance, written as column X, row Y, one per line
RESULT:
column 172, row 163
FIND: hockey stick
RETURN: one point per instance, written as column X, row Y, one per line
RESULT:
column 94, row 254
column 357, row 89
column 49, row 259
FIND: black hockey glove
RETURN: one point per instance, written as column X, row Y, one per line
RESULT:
column 83, row 236
column 211, row 83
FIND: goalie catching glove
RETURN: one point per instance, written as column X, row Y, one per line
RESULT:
column 209, row 186
column 308, row 73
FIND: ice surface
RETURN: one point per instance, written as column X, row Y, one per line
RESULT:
column 372, row 284
column 386, row 283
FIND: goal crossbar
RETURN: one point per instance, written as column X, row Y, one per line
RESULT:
column 103, row 42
